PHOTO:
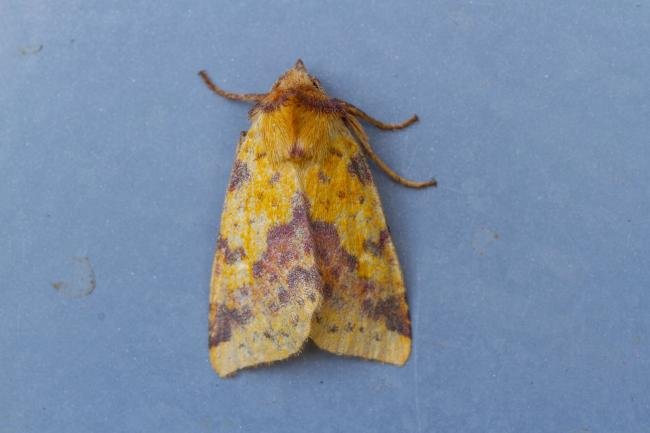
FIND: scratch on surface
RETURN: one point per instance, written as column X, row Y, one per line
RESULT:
column 416, row 372
column 457, row 191
column 31, row 49
column 414, row 154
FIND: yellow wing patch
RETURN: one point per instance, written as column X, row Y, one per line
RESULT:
column 265, row 284
column 364, row 311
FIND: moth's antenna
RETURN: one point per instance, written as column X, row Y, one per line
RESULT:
column 247, row 97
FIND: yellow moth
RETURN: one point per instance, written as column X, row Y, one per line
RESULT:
column 304, row 250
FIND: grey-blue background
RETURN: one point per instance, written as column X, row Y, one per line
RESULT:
column 527, row 269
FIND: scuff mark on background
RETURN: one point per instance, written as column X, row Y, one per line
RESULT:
column 81, row 281
column 31, row 49
column 482, row 240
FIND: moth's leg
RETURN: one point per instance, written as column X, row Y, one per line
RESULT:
column 249, row 97
column 361, row 135
column 357, row 112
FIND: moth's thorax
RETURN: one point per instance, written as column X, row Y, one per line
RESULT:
column 293, row 129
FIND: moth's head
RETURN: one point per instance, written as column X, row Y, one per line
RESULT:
column 297, row 77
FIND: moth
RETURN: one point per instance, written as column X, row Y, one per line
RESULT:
column 304, row 251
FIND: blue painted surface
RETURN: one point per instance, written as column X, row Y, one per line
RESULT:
column 527, row 270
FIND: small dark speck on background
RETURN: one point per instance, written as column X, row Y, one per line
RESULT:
column 483, row 238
